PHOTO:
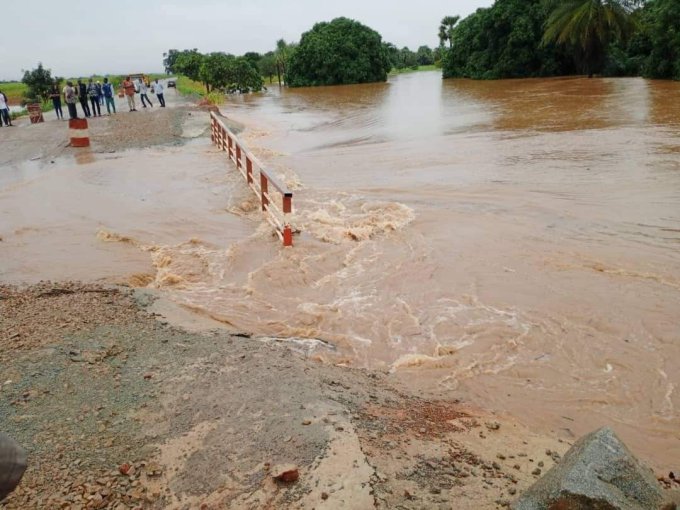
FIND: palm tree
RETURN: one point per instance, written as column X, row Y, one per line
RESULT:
column 282, row 52
column 446, row 30
column 589, row 26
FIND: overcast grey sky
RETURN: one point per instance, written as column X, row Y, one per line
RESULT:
column 83, row 37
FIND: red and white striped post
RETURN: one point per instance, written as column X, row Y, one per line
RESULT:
column 78, row 132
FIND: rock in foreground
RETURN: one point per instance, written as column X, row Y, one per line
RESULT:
column 12, row 464
column 597, row 473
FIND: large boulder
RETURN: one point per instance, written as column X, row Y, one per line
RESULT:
column 12, row 464
column 597, row 473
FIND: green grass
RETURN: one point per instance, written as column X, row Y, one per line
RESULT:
column 189, row 87
column 14, row 91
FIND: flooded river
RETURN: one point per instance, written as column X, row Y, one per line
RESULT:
column 516, row 243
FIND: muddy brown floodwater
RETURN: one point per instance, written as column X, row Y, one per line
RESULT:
column 513, row 242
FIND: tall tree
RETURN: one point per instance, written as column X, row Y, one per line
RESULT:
column 504, row 41
column 392, row 54
column 253, row 57
column 446, row 30
column 589, row 26
column 283, row 53
column 425, row 56
column 215, row 70
column 661, row 33
column 244, row 76
column 39, row 82
column 188, row 63
column 338, row 52
column 169, row 59
column 267, row 65
column 407, row 58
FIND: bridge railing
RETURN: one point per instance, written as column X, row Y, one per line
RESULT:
column 266, row 186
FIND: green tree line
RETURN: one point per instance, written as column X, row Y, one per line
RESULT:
column 216, row 70
column 510, row 39
column 341, row 51
column 533, row 38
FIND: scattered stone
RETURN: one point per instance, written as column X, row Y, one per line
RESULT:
column 493, row 425
column 307, row 422
column 324, row 496
column 287, row 473
column 153, row 470
column 12, row 464
column 597, row 472
column 536, row 472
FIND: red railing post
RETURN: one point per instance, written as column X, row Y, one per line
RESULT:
column 264, row 190
column 287, row 236
column 228, row 142
column 249, row 170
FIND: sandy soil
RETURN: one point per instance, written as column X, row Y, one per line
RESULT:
column 120, row 409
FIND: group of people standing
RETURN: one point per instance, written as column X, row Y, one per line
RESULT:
column 99, row 94
column 130, row 88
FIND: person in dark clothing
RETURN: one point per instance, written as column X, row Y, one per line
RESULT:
column 55, row 95
column 158, row 90
column 107, row 92
column 143, row 89
column 82, row 97
column 93, row 94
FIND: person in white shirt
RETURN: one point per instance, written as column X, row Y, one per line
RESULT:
column 4, row 110
column 71, row 98
column 158, row 90
column 143, row 93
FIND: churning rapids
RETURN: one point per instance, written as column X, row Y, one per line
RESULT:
column 515, row 241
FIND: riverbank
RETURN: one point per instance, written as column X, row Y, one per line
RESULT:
column 124, row 400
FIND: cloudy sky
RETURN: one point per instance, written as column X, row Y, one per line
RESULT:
column 83, row 37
